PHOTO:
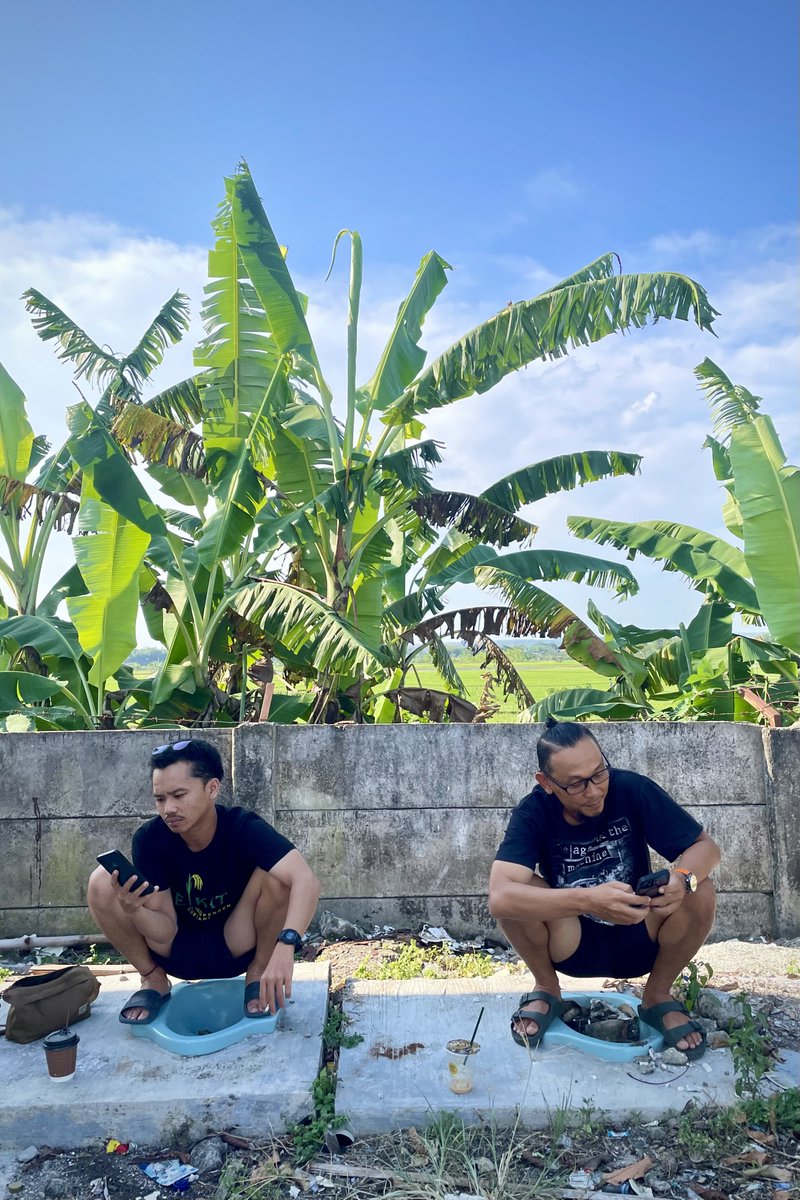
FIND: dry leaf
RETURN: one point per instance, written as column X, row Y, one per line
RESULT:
column 759, row 1157
column 708, row 1193
column 634, row 1171
column 780, row 1173
column 764, row 1139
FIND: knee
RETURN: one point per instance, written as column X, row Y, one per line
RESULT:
column 705, row 898
column 99, row 893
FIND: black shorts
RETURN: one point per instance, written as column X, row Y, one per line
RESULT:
column 618, row 951
column 203, row 954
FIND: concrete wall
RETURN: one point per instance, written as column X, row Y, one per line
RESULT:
column 400, row 822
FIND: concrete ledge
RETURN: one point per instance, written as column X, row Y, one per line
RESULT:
column 128, row 1088
column 414, row 1019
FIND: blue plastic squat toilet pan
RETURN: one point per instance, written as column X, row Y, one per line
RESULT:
column 559, row 1034
column 203, row 1017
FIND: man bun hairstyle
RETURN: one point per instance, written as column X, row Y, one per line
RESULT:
column 205, row 761
column 559, row 735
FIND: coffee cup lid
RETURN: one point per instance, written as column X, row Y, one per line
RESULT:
column 62, row 1039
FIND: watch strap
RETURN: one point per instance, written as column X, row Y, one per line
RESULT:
column 687, row 876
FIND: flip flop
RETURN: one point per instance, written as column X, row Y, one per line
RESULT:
column 543, row 1020
column 147, row 998
column 654, row 1017
column 251, row 992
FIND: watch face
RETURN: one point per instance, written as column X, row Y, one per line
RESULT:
column 290, row 937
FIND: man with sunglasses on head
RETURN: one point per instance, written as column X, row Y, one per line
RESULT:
column 562, row 886
column 219, row 892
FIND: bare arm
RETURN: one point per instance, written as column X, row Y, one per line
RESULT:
column 153, row 915
column 517, row 894
column 304, row 889
column 701, row 858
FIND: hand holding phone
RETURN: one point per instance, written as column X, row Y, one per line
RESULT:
column 115, row 860
column 650, row 885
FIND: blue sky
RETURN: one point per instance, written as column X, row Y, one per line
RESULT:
column 520, row 140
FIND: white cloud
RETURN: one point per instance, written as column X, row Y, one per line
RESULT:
column 639, row 407
column 634, row 393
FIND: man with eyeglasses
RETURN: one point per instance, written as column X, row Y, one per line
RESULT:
column 562, row 885
column 218, row 893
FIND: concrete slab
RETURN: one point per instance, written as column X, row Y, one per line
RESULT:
column 397, row 1076
column 131, row 1089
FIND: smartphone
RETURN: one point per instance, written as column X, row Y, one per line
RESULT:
column 648, row 885
column 115, row 860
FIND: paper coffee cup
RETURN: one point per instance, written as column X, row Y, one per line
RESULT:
column 61, row 1054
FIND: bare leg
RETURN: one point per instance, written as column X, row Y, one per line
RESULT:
column 121, row 931
column 257, row 920
column 539, row 944
column 679, row 936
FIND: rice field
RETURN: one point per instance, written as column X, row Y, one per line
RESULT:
column 541, row 678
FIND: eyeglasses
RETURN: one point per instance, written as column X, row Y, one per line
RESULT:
column 579, row 786
column 171, row 746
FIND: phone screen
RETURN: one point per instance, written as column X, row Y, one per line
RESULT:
column 115, row 860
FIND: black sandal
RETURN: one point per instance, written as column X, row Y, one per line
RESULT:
column 543, row 1020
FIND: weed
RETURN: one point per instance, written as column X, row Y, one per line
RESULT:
column 5, row 973
column 793, row 967
column 415, row 960
column 694, row 1139
column 751, row 1051
column 308, row 1137
column 780, row 1112
column 689, row 985
column 333, row 1031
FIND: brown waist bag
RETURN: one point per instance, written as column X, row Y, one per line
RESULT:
column 40, row 1004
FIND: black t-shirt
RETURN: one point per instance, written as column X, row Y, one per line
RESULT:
column 614, row 846
column 207, row 884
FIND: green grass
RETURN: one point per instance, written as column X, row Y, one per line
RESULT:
column 541, row 678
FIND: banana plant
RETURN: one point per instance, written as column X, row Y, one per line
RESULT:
column 315, row 515
column 704, row 670
column 308, row 527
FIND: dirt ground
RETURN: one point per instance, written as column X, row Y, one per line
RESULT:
column 696, row 1154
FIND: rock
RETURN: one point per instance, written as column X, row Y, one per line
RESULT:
column 484, row 1166
column 718, row 1040
column 28, row 1154
column 55, row 1188
column 707, row 1024
column 720, row 1007
column 208, row 1155
column 673, row 1057
column 336, row 929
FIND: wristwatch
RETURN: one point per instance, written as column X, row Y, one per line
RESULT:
column 290, row 937
column 690, row 879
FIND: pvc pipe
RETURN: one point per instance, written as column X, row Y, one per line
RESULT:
column 31, row 941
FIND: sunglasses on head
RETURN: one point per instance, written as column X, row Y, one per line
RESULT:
column 171, row 746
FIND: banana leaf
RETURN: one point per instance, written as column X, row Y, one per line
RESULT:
column 573, row 703
column 403, row 357
column 546, row 328
column 16, row 435
column 710, row 564
column 109, row 560
column 768, row 495
column 559, row 474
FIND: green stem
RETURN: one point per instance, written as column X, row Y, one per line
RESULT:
column 356, row 263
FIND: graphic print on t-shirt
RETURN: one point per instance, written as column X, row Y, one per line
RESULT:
column 198, row 906
column 602, row 859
